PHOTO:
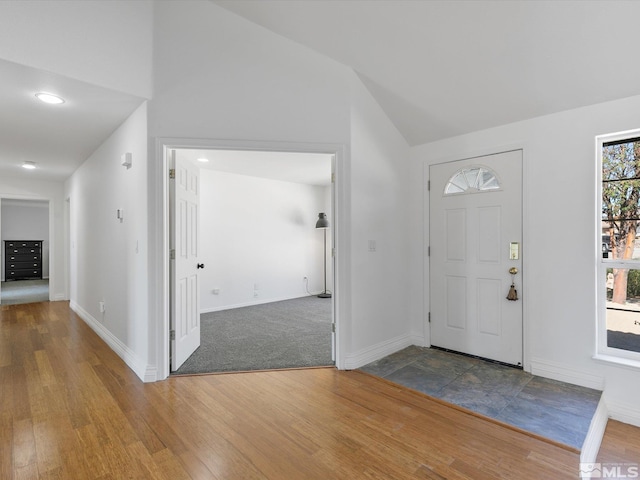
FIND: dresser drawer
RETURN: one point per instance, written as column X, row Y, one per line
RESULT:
column 23, row 244
column 22, row 265
column 22, row 251
column 30, row 273
column 22, row 258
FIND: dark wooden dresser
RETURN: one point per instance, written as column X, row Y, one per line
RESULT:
column 22, row 259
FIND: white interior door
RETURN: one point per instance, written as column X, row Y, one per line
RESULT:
column 184, row 244
column 475, row 217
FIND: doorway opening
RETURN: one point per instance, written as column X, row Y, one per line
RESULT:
column 262, row 265
column 24, row 227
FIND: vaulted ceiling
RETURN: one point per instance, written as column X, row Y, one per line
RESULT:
column 438, row 69
column 444, row 68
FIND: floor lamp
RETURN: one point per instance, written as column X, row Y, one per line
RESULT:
column 323, row 223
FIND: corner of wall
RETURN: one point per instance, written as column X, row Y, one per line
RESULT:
column 564, row 373
column 623, row 412
column 146, row 373
column 376, row 352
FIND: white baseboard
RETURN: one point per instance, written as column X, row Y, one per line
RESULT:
column 376, row 352
column 592, row 441
column 146, row 373
column 562, row 373
column 58, row 297
column 251, row 303
column 623, row 412
column 418, row 340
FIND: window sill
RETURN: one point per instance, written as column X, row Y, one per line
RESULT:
column 619, row 361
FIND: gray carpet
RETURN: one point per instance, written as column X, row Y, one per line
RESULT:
column 24, row 291
column 287, row 334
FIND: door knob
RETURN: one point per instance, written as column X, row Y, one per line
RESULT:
column 513, row 293
column 201, row 265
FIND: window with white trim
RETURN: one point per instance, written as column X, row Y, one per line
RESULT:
column 619, row 245
column 472, row 180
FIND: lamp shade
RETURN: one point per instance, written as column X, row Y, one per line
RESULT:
column 322, row 221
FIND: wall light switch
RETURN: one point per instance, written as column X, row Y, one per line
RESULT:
column 126, row 160
column 120, row 214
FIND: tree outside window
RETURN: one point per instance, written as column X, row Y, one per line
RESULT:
column 620, row 246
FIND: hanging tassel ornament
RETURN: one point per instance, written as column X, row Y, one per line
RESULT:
column 513, row 293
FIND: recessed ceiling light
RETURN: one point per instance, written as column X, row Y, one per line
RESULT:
column 29, row 165
column 49, row 98
column 203, row 160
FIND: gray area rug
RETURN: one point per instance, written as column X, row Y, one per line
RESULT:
column 24, row 291
column 288, row 334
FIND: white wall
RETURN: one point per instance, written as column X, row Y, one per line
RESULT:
column 21, row 188
column 257, row 231
column 379, row 200
column 26, row 220
column 218, row 76
column 109, row 257
column 559, row 246
column 103, row 42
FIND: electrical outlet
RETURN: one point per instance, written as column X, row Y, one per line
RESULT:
column 101, row 307
column 216, row 291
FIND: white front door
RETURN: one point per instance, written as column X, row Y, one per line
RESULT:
column 185, row 289
column 475, row 232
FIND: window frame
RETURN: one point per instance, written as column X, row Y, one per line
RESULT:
column 603, row 351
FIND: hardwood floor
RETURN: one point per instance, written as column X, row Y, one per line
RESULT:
column 71, row 409
column 621, row 444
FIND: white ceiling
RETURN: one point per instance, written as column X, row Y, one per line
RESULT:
column 444, row 68
column 306, row 168
column 438, row 68
column 58, row 138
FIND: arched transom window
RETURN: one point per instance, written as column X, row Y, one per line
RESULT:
column 472, row 180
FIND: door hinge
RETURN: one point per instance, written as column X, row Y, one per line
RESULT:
column 429, row 317
column 429, row 251
column 172, row 173
column 333, row 252
column 333, row 178
column 333, row 327
column 172, row 334
column 172, row 254
column 428, row 185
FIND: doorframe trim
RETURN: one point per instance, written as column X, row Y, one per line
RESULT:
column 53, row 274
column 468, row 155
column 159, row 250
